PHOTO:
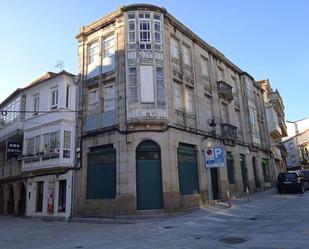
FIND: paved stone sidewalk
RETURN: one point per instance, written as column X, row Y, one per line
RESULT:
column 267, row 221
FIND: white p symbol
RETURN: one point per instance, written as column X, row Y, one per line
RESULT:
column 218, row 151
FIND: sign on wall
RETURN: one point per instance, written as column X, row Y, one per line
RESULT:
column 13, row 150
column 214, row 157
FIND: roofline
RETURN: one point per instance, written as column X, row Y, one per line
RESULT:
column 110, row 18
column 297, row 120
column 45, row 79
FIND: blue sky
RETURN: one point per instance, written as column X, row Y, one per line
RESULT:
column 266, row 38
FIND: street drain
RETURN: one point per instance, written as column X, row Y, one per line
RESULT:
column 79, row 247
column 252, row 218
column 232, row 240
column 168, row 227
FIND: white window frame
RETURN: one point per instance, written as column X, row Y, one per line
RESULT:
column 36, row 103
column 54, row 98
column 109, row 97
column 178, row 96
column 157, row 32
column 189, row 101
column 161, row 98
column 175, row 48
column 93, row 103
column 132, row 31
column 148, row 31
column 93, row 53
column 186, row 55
column 133, row 86
column 67, row 138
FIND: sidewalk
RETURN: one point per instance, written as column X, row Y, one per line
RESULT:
column 152, row 216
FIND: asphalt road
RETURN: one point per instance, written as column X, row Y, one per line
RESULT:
column 267, row 221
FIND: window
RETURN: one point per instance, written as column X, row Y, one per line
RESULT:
column 224, row 113
column 30, row 145
column 175, row 48
column 62, row 195
column 66, row 144
column 133, row 97
column 220, row 74
column 93, row 101
column 189, row 101
column 93, row 53
column 160, row 86
column 131, row 30
column 67, row 98
column 46, row 142
column 205, row 67
column 39, row 196
column 186, row 55
column 209, row 110
column 37, row 144
column 54, row 140
column 36, row 104
column 157, row 31
column 144, row 31
column 54, row 99
column 178, row 96
column 108, row 54
column 147, row 87
column 109, row 98
column 230, row 167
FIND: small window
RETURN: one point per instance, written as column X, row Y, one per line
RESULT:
column 30, row 145
column 93, row 101
column 54, row 99
column 93, row 53
column 133, row 95
column 160, row 87
column 109, row 98
column 178, row 96
column 175, row 48
column 108, row 53
column 186, row 55
column 131, row 30
column 157, row 31
column 189, row 101
column 67, row 98
column 131, row 16
column 36, row 104
column 66, row 144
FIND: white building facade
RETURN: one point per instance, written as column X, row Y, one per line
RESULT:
column 49, row 142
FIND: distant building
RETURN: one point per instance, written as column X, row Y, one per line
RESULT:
column 154, row 98
column 276, row 124
column 49, row 142
column 12, row 183
column 40, row 120
column 297, row 144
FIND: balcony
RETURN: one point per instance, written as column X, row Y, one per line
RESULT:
column 229, row 133
column 12, row 129
column 225, row 91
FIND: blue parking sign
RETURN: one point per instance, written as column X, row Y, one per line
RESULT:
column 214, row 157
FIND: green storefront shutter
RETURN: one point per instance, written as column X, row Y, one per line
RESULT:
column 101, row 178
column 187, row 170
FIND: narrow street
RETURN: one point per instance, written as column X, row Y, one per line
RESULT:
column 267, row 221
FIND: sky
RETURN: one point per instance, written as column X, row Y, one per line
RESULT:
column 266, row 38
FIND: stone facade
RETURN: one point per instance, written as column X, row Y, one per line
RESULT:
column 154, row 97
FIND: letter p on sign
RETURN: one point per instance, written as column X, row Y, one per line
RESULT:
column 218, row 152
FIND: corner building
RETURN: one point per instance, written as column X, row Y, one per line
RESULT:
column 153, row 97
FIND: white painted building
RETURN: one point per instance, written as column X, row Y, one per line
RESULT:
column 49, row 142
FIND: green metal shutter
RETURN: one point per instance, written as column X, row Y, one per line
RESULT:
column 187, row 169
column 101, row 178
column 148, row 176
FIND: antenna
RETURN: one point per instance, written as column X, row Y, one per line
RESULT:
column 60, row 65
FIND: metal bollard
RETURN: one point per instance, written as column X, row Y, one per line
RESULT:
column 248, row 193
column 229, row 199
